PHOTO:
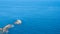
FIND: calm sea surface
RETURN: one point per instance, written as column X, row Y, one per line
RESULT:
column 38, row 16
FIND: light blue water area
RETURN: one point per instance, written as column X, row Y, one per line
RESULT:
column 38, row 16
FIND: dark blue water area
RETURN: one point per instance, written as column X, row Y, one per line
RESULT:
column 38, row 16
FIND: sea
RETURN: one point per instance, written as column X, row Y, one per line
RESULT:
column 37, row 16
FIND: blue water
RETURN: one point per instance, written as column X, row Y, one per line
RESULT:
column 38, row 16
